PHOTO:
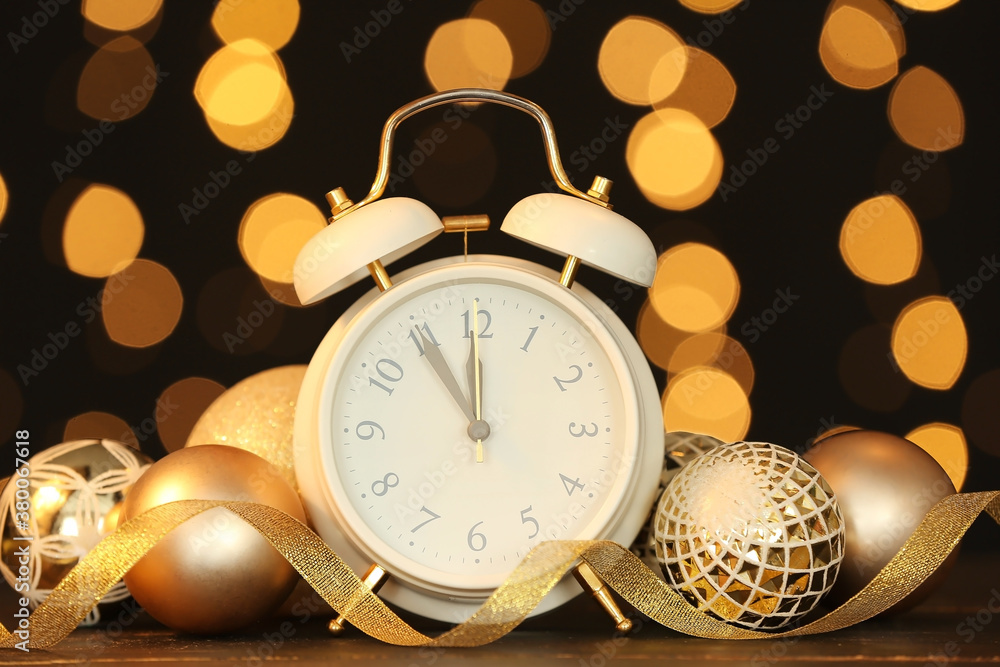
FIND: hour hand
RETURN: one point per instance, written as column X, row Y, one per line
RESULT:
column 441, row 369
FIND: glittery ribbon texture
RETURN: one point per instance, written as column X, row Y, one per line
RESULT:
column 931, row 543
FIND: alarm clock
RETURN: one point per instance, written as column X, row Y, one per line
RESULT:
column 469, row 408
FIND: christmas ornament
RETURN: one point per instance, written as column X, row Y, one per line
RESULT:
column 680, row 448
column 521, row 592
column 215, row 573
column 481, row 405
column 256, row 414
column 885, row 485
column 751, row 534
column 74, row 493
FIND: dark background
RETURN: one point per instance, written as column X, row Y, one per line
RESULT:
column 780, row 230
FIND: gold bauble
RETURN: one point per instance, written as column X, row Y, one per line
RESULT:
column 679, row 449
column 885, row 485
column 750, row 533
column 74, row 491
column 256, row 414
column 215, row 573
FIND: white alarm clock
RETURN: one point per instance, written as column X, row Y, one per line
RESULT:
column 469, row 408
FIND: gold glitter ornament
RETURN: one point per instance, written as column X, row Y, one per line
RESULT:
column 256, row 414
column 750, row 533
column 74, row 493
column 679, row 449
column 215, row 573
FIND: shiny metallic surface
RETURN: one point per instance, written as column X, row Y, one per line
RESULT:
column 885, row 485
column 215, row 573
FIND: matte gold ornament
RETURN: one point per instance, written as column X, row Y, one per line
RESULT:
column 215, row 573
column 750, row 533
column 885, row 485
column 256, row 414
column 679, row 449
column 74, row 493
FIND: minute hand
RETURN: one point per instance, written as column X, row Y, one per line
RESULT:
column 441, row 369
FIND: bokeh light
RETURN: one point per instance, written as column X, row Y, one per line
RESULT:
column 707, row 89
column 867, row 373
column 261, row 134
column 241, row 84
column 13, row 405
column 717, row 350
column 641, row 61
column 674, row 159
column 658, row 339
column 273, row 231
column 468, row 53
column 710, row 6
column 980, row 417
column 929, row 342
column 142, row 304
column 118, row 15
column 881, row 12
column 696, row 350
column 272, row 22
column 102, row 233
column 695, row 289
column 925, row 111
column 709, row 401
column 880, row 241
column 3, row 198
column 182, row 403
column 118, row 81
column 98, row 424
column 99, row 35
column 857, row 49
column 946, row 443
column 525, row 26
column 927, row 5
column 246, row 99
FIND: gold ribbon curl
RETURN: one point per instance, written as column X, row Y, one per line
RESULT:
column 70, row 601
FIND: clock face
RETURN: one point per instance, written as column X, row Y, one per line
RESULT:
column 557, row 427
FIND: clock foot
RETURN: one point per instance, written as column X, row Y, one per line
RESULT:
column 374, row 577
column 592, row 583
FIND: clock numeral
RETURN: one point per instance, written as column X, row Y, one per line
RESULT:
column 475, row 538
column 390, row 481
column 570, row 485
column 483, row 328
column 415, row 336
column 396, row 376
column 421, row 525
column 531, row 335
column 530, row 519
column 370, row 433
column 576, row 378
column 583, row 430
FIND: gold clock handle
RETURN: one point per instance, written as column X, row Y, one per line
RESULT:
column 471, row 95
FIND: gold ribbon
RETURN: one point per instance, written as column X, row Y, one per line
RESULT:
column 928, row 546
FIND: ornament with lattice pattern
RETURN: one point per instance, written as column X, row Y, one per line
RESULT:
column 76, row 490
column 751, row 534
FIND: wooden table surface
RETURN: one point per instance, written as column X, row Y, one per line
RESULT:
column 938, row 632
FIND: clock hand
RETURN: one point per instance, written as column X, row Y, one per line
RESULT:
column 441, row 369
column 478, row 429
